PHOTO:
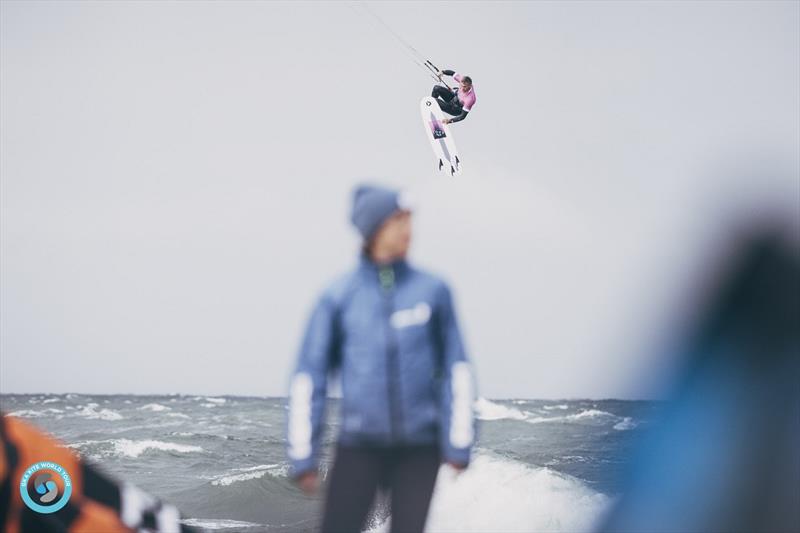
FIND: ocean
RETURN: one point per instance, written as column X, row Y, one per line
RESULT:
column 539, row 465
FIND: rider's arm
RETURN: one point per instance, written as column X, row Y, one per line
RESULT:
column 460, row 117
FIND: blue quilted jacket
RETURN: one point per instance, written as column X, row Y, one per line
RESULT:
column 391, row 333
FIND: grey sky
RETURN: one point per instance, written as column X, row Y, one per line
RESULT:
column 176, row 178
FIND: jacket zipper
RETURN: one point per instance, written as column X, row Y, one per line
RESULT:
column 387, row 279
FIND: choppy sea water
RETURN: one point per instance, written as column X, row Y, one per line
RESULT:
column 539, row 465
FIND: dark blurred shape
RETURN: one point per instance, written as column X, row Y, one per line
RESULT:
column 97, row 503
column 726, row 456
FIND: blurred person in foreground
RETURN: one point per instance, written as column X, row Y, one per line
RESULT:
column 725, row 456
column 390, row 332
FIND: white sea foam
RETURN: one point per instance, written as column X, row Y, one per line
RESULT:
column 567, row 459
column 224, row 481
column 215, row 400
column 155, row 407
column 215, row 523
column 131, row 448
column 488, row 410
column 29, row 413
column 501, row 495
column 585, row 415
column 257, row 467
column 51, row 400
column 90, row 411
column 26, row 413
column 201, row 435
column 543, row 419
column 590, row 413
column 243, row 474
column 626, row 424
column 135, row 448
column 81, row 444
column 178, row 415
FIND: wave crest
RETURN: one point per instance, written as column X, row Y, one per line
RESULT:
column 131, row 448
column 532, row 499
column 488, row 410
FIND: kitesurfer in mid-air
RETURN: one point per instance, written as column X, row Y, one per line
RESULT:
column 457, row 102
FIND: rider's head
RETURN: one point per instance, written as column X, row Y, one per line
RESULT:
column 466, row 83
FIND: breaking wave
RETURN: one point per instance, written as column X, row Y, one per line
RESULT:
column 90, row 411
column 532, row 499
column 130, row 448
column 488, row 410
column 253, row 472
column 155, row 407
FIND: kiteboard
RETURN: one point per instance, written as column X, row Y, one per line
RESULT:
column 444, row 147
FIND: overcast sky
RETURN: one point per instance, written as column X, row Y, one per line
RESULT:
column 175, row 179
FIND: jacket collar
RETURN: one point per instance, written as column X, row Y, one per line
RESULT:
column 366, row 264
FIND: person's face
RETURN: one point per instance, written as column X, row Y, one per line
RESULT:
column 465, row 86
column 394, row 236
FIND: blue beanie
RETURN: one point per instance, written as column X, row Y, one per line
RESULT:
column 372, row 205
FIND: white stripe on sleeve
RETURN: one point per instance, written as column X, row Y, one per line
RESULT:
column 461, row 430
column 300, row 416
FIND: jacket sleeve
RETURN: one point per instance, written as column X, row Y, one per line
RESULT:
column 460, row 117
column 458, row 388
column 307, row 389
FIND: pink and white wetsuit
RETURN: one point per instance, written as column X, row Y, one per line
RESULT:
column 457, row 102
column 467, row 98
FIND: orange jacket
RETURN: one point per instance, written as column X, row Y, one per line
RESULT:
column 95, row 503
